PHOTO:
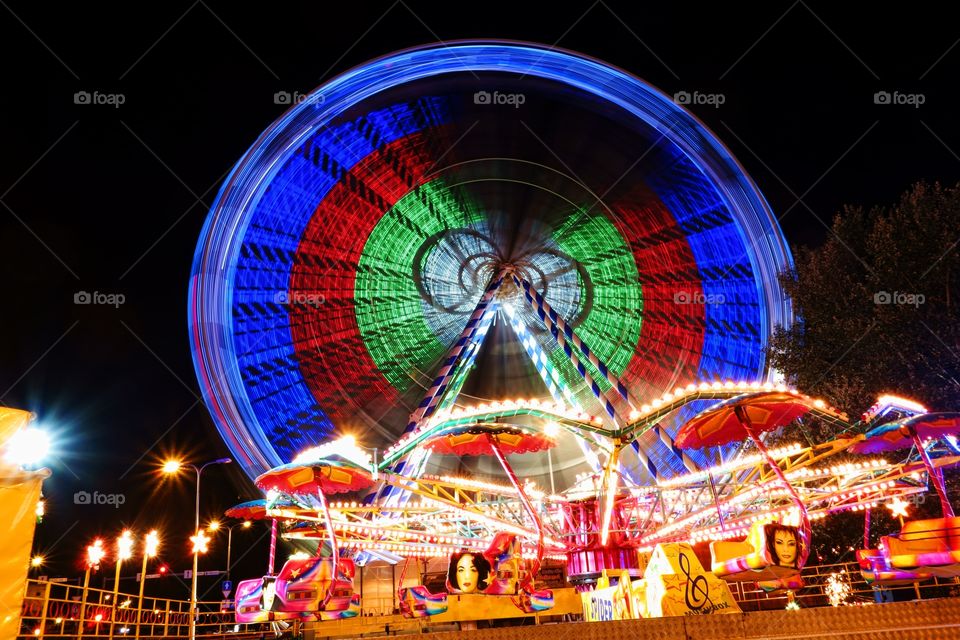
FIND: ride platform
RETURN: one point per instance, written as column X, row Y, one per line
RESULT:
column 920, row 620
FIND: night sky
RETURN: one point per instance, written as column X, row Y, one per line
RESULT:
column 112, row 198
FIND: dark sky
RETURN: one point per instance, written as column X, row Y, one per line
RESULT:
column 98, row 198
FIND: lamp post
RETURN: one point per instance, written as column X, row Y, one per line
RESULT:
column 151, row 544
column 216, row 526
column 95, row 553
column 199, row 541
column 172, row 467
column 124, row 552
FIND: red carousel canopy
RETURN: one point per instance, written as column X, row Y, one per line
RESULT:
column 764, row 411
column 327, row 476
column 255, row 509
column 475, row 440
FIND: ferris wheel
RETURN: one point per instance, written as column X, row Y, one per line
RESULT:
column 567, row 223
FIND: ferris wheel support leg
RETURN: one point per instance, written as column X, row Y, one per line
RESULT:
column 523, row 500
column 446, row 386
column 561, row 331
column 551, row 378
column 610, row 483
column 565, row 333
column 461, row 350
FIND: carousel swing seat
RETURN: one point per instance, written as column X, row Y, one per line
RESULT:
column 928, row 545
column 750, row 560
column 876, row 570
column 418, row 602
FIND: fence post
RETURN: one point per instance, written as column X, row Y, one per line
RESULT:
column 166, row 619
column 43, row 610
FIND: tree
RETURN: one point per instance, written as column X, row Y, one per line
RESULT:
column 878, row 305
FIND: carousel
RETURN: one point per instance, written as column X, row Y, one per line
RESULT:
column 506, row 307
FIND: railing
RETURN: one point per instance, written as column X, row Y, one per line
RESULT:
column 814, row 593
column 55, row 610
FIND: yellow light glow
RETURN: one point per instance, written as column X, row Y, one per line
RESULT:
column 36, row 561
column 200, row 542
column 125, row 546
column 95, row 553
column 214, row 525
column 151, row 544
column 898, row 508
column 247, row 524
column 172, row 466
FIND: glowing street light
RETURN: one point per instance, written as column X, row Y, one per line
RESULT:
column 173, row 466
column 37, row 561
column 27, row 447
column 125, row 546
column 124, row 552
column 216, row 526
column 95, row 554
column 151, row 545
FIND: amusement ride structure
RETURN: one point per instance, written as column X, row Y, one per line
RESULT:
column 508, row 301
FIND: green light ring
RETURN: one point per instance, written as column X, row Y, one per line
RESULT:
column 388, row 306
column 389, row 310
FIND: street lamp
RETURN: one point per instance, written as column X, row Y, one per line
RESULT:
column 151, row 545
column 124, row 552
column 95, row 553
column 216, row 526
column 172, row 467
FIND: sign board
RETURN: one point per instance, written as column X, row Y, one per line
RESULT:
column 226, row 605
column 226, row 587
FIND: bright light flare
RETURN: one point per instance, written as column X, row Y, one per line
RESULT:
column 898, row 508
column 27, row 447
column 95, row 553
column 151, row 544
column 214, row 525
column 345, row 446
column 37, row 561
column 125, row 546
column 200, row 542
column 171, row 466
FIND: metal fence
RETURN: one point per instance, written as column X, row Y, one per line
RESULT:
column 56, row 610
column 814, row 593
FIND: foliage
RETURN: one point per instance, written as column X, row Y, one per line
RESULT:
column 878, row 304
